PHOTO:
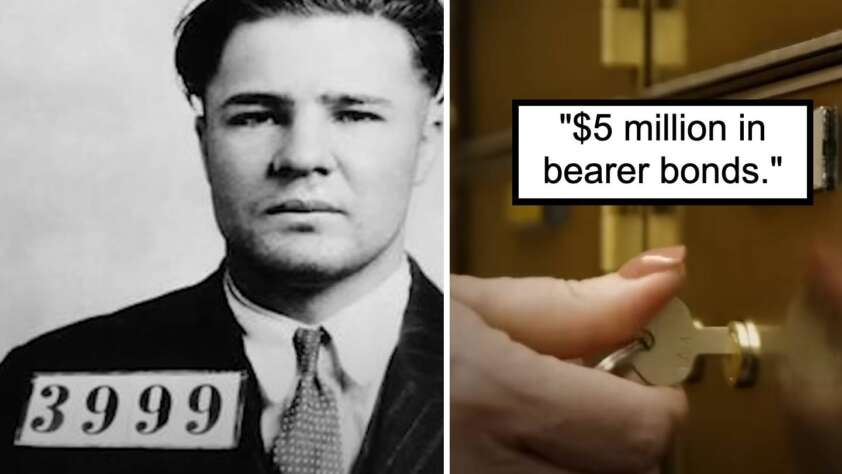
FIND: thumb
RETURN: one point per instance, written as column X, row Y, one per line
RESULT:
column 574, row 318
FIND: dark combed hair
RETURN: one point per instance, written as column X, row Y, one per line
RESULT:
column 203, row 32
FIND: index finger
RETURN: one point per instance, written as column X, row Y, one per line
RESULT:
column 573, row 318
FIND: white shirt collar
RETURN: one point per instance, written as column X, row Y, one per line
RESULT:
column 364, row 333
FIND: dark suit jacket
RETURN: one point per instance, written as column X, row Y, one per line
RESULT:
column 193, row 329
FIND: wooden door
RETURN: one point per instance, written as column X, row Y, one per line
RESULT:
column 748, row 262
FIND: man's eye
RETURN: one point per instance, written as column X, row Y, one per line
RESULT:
column 252, row 119
column 357, row 116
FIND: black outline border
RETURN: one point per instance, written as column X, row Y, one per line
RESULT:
column 807, row 103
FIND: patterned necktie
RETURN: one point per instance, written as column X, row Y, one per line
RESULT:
column 309, row 441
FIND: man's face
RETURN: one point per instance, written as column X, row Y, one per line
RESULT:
column 313, row 132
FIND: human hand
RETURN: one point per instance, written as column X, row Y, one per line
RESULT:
column 517, row 407
column 810, row 371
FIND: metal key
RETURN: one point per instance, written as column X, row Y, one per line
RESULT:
column 666, row 352
column 676, row 341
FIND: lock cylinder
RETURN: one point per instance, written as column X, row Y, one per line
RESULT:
column 741, row 366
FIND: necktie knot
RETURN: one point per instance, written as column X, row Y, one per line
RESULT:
column 307, row 343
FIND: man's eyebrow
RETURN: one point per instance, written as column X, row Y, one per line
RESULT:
column 258, row 98
column 345, row 100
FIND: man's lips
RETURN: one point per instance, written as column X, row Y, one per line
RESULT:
column 301, row 206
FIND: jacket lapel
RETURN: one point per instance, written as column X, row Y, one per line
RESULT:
column 216, row 318
column 405, row 433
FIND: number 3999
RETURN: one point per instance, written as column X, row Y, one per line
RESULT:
column 155, row 402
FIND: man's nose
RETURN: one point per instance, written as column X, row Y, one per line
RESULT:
column 303, row 149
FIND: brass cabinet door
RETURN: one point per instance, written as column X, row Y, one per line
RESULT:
column 748, row 262
column 744, row 262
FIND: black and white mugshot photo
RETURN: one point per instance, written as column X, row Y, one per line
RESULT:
column 222, row 246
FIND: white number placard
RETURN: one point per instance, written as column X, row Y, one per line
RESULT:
column 161, row 410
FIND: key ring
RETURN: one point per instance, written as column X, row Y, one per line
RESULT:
column 624, row 355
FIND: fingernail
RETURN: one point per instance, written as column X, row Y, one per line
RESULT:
column 654, row 261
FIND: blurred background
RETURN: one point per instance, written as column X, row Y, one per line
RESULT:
column 103, row 200
column 745, row 262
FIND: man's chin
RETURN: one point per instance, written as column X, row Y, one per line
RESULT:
column 307, row 272
column 310, row 265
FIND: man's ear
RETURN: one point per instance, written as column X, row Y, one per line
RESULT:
column 200, row 124
column 430, row 147
column 201, row 127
